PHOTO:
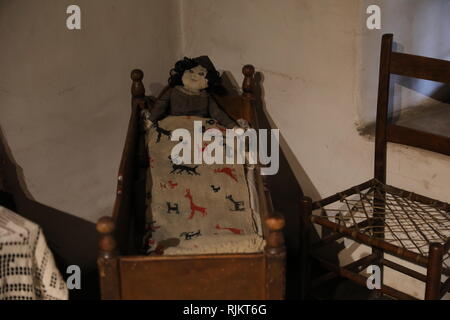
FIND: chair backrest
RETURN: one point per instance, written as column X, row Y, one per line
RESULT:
column 410, row 66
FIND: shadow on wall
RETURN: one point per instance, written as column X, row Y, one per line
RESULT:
column 73, row 241
column 289, row 165
column 288, row 187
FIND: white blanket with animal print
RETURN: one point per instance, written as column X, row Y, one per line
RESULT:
column 197, row 209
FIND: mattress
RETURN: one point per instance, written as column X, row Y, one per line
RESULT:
column 197, row 208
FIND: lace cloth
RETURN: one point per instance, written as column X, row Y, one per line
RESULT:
column 27, row 267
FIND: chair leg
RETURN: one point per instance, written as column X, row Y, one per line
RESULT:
column 305, row 229
column 379, row 213
column 434, row 271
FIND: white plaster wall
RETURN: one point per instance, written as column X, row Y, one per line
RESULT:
column 65, row 97
column 320, row 70
column 317, row 58
column 307, row 52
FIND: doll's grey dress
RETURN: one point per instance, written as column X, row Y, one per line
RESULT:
column 179, row 103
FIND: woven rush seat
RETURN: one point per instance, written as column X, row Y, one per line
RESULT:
column 381, row 212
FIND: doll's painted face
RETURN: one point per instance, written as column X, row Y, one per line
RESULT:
column 195, row 79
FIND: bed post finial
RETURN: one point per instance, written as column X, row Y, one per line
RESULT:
column 107, row 243
column 107, row 261
column 247, row 85
column 137, row 88
column 275, row 239
column 276, row 255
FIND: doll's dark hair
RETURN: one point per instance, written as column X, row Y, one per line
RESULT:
column 214, row 79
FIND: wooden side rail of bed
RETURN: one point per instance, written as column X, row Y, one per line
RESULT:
column 127, row 274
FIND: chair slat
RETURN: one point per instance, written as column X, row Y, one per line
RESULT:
column 420, row 67
column 419, row 139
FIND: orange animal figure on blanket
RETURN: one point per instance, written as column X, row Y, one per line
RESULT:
column 234, row 230
column 228, row 171
column 194, row 207
column 172, row 184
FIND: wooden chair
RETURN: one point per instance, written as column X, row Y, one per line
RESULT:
column 387, row 219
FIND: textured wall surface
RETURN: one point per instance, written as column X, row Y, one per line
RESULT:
column 65, row 97
column 307, row 53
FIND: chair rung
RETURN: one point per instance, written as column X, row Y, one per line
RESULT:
column 359, row 265
column 363, row 281
column 353, row 190
column 402, row 269
column 337, row 235
column 392, row 249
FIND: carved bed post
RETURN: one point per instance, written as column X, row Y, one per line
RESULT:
column 305, row 234
column 137, row 87
column 434, row 272
column 275, row 250
column 248, row 95
column 107, row 260
column 247, row 85
column 276, row 258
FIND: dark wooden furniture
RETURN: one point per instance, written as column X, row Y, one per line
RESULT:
column 125, row 274
column 8, row 194
column 385, row 218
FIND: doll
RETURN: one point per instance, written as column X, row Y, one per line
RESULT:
column 191, row 82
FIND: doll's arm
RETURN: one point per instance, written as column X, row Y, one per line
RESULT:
column 218, row 114
column 160, row 107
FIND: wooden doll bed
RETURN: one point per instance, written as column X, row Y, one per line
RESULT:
column 126, row 274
